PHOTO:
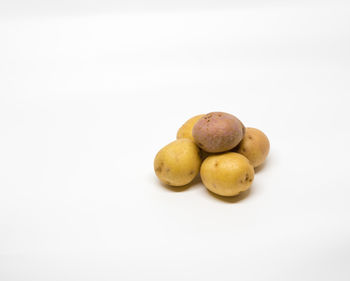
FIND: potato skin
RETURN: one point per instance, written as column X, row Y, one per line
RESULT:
column 177, row 163
column 218, row 132
column 255, row 146
column 227, row 174
column 186, row 129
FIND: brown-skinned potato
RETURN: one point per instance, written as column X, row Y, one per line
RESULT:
column 255, row 146
column 218, row 132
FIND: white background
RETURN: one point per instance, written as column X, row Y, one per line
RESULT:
column 91, row 90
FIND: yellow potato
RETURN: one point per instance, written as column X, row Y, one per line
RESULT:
column 186, row 130
column 227, row 174
column 177, row 163
column 255, row 146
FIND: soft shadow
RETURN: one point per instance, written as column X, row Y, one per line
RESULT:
column 261, row 167
column 231, row 199
column 195, row 181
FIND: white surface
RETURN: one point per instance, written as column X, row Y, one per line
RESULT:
column 87, row 99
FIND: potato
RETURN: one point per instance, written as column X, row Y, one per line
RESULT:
column 227, row 174
column 186, row 129
column 218, row 132
column 255, row 146
column 177, row 163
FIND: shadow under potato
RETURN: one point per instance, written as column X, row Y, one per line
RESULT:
column 261, row 167
column 195, row 181
column 231, row 199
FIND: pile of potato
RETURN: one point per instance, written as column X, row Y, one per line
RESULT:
column 219, row 147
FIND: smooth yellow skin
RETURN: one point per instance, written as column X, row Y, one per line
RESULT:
column 227, row 174
column 186, row 130
column 255, row 146
column 178, row 163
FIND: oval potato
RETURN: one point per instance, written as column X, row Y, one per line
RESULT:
column 218, row 132
column 177, row 163
column 227, row 174
column 255, row 146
